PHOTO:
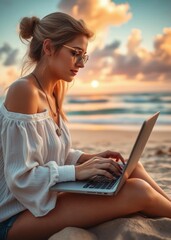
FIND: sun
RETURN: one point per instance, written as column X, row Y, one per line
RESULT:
column 94, row 83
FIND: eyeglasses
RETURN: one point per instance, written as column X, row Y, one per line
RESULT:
column 77, row 54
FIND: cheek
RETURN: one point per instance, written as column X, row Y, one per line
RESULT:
column 61, row 68
column 57, row 65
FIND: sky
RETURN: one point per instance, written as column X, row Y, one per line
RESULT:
column 131, row 51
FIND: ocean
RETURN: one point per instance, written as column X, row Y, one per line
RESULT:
column 127, row 110
column 108, row 111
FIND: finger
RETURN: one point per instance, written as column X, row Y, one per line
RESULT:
column 100, row 160
column 119, row 167
column 117, row 157
column 107, row 163
column 120, row 158
column 105, row 173
column 111, row 167
column 115, row 164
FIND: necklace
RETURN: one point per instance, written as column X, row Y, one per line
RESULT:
column 54, row 114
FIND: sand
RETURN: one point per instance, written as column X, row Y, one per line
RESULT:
column 156, row 158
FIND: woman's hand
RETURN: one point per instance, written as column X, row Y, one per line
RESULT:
column 99, row 165
column 107, row 154
column 110, row 154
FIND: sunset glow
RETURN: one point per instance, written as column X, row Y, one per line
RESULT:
column 127, row 53
column 95, row 83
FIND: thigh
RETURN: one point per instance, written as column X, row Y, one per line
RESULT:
column 80, row 210
column 6, row 225
column 75, row 210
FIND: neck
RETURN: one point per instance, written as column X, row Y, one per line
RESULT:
column 53, row 113
column 48, row 83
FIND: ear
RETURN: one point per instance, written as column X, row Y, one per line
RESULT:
column 47, row 47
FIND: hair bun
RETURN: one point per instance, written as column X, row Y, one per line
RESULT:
column 27, row 26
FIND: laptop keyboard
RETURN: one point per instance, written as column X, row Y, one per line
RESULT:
column 101, row 182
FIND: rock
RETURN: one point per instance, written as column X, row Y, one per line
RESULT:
column 73, row 233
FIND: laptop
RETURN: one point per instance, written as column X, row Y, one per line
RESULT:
column 102, row 185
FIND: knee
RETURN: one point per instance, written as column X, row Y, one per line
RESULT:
column 141, row 190
column 138, row 170
column 139, row 185
column 139, row 167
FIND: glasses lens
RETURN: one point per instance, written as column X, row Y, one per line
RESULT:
column 76, row 54
column 83, row 58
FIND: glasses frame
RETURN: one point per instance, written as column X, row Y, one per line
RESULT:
column 78, row 57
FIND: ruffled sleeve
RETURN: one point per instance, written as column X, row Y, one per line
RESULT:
column 28, row 173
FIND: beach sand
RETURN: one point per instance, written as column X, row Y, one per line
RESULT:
column 156, row 158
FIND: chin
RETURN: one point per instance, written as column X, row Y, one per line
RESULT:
column 68, row 79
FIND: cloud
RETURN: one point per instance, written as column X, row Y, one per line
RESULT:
column 98, row 14
column 8, row 66
column 134, row 41
column 107, row 62
column 8, row 55
column 7, row 76
column 106, row 51
column 137, row 63
column 162, row 46
column 158, row 65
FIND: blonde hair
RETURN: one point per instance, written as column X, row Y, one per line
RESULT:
column 60, row 28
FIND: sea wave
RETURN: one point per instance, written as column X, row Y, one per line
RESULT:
column 111, row 109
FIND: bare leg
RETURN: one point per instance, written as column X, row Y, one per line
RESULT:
column 81, row 210
column 141, row 173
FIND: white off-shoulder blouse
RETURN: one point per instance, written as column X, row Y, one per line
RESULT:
column 32, row 159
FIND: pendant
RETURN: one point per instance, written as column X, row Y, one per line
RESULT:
column 58, row 132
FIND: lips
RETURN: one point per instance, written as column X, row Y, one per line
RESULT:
column 74, row 72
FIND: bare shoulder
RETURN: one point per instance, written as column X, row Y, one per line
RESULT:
column 22, row 97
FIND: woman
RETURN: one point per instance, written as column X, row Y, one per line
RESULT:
column 35, row 147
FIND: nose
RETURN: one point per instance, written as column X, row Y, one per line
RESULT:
column 80, row 64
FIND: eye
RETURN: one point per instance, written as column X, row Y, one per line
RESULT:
column 75, row 53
